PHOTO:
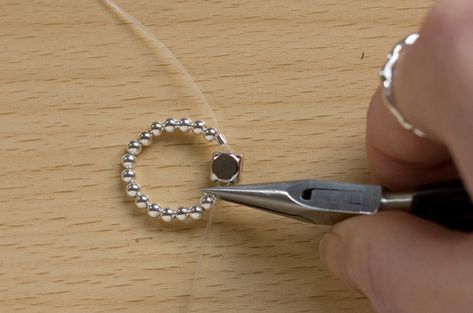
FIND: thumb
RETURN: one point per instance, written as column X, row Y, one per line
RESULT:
column 403, row 264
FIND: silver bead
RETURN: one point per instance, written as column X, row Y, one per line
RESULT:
column 170, row 125
column 133, row 189
column 196, row 213
column 134, row 147
column 153, row 210
column 207, row 201
column 210, row 134
column 156, row 128
column 128, row 175
column 142, row 201
column 129, row 160
column 198, row 127
column 182, row 214
column 185, row 124
column 145, row 138
column 167, row 215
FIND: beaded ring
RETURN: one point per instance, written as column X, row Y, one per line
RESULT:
column 225, row 168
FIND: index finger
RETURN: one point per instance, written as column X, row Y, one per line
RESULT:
column 399, row 159
column 432, row 88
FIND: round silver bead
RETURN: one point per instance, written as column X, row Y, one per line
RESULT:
column 153, row 210
column 145, row 138
column 182, row 214
column 167, row 215
column 185, row 124
column 142, row 201
column 133, row 189
column 156, row 128
column 129, row 160
column 207, row 201
column 196, row 213
column 170, row 125
column 198, row 127
column 210, row 134
column 134, row 147
column 128, row 175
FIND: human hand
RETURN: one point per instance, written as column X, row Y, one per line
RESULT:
column 404, row 264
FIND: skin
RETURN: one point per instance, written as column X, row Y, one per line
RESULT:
column 404, row 264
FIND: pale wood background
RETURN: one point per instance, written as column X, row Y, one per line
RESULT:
column 289, row 82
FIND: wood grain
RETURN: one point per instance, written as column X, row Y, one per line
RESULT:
column 289, row 83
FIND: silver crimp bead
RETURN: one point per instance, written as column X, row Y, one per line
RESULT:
column 221, row 140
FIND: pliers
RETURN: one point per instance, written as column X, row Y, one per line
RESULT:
column 326, row 203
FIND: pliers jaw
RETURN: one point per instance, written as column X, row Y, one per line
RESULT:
column 313, row 201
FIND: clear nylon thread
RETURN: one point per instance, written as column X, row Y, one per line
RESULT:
column 175, row 61
column 158, row 43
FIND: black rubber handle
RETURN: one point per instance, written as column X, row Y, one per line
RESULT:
column 448, row 204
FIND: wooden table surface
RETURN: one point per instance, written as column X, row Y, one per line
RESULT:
column 289, row 82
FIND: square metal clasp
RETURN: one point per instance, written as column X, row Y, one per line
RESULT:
column 226, row 167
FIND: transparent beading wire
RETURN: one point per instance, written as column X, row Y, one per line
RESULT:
column 154, row 39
